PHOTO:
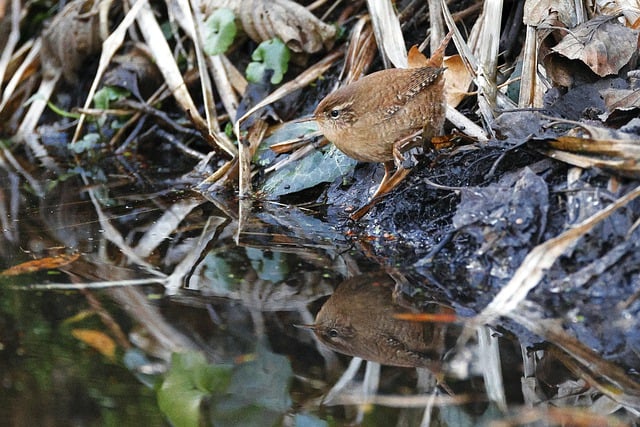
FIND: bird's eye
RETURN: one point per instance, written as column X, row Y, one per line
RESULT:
column 333, row 333
column 335, row 113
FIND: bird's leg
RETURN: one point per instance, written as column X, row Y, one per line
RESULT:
column 388, row 175
column 389, row 181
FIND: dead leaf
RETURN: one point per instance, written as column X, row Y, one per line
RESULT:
column 291, row 22
column 72, row 36
column 630, row 9
column 457, row 80
column 537, row 13
column 135, row 72
column 35, row 265
column 621, row 98
column 97, row 340
column 415, row 58
column 620, row 103
column 602, row 43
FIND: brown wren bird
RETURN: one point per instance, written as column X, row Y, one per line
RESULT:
column 359, row 319
column 376, row 118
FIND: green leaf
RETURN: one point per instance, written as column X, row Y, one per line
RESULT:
column 220, row 30
column 272, row 266
column 263, row 381
column 88, row 142
column 188, row 382
column 258, row 394
column 269, row 55
column 108, row 94
column 308, row 172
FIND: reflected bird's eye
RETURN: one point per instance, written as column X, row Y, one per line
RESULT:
column 333, row 333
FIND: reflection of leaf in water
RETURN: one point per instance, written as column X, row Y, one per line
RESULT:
column 222, row 279
column 253, row 393
column 308, row 420
column 97, row 340
column 308, row 172
column 35, row 265
column 258, row 394
column 190, row 380
column 271, row 266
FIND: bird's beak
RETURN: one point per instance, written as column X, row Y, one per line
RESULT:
column 304, row 119
column 307, row 327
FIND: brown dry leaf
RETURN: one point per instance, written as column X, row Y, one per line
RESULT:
column 97, row 340
column 602, row 43
column 72, row 36
column 135, row 72
column 620, row 103
column 457, row 77
column 48, row 263
column 416, row 59
column 537, row 13
column 292, row 23
column 457, row 80
column 630, row 9
column 621, row 98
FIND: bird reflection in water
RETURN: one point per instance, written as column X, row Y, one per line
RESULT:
column 361, row 319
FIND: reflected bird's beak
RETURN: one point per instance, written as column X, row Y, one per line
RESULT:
column 307, row 327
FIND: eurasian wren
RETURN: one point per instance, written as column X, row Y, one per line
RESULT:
column 375, row 118
column 359, row 320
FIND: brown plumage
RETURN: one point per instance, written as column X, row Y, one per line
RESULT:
column 376, row 118
column 366, row 118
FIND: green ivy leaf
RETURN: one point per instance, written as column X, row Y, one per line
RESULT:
column 88, row 143
column 269, row 55
column 108, row 94
column 220, row 30
column 308, row 172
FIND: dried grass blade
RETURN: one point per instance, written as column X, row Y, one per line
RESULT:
column 467, row 56
column 488, row 49
column 530, row 95
column 386, row 28
column 32, row 56
column 12, row 40
column 593, row 367
column 361, row 51
column 164, row 59
column 109, row 48
column 195, row 22
column 465, row 125
column 224, row 86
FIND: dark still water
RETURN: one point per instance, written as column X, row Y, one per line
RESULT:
column 163, row 308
